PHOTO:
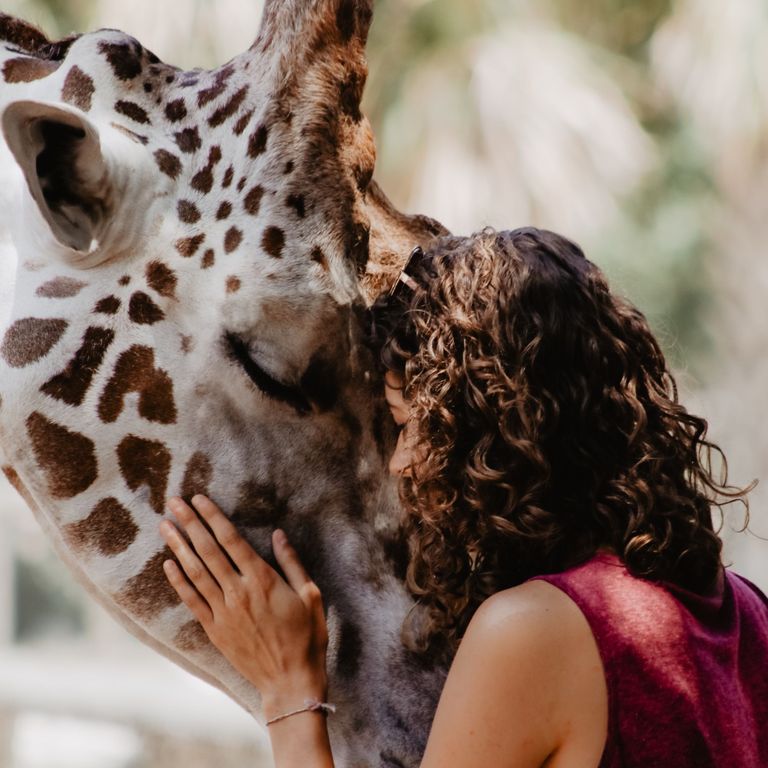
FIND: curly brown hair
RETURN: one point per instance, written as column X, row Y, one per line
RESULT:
column 551, row 429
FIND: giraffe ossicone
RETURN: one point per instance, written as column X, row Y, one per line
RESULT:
column 185, row 259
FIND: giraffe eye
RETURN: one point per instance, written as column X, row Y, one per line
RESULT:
column 267, row 384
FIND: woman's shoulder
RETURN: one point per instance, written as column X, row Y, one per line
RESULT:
column 539, row 664
column 535, row 614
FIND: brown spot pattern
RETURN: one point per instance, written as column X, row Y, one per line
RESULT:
column 258, row 141
column 350, row 650
column 145, row 462
column 68, row 459
column 124, row 61
column 78, row 89
column 207, row 95
column 124, row 280
column 188, row 140
column 135, row 372
column 347, row 18
column 26, row 69
column 318, row 256
column 197, row 476
column 242, row 123
column 258, row 505
column 109, row 529
column 188, row 212
column 72, row 384
column 149, row 593
column 109, row 305
column 144, row 311
column 133, row 111
column 176, row 110
column 161, row 278
column 168, row 163
column 233, row 284
column 350, row 93
column 229, row 109
column 273, row 242
column 209, row 257
column 202, row 181
column 228, row 176
column 225, row 209
column 297, row 203
column 60, row 288
column 30, row 339
column 252, row 201
column 188, row 246
column 232, row 239
column 191, row 637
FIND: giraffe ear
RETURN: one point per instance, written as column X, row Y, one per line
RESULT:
column 59, row 152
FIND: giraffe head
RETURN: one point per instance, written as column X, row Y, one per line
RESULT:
column 193, row 253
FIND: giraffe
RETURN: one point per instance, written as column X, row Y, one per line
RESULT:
column 192, row 257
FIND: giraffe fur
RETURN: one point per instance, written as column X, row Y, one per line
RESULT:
column 186, row 261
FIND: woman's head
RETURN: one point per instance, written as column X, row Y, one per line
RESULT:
column 547, row 423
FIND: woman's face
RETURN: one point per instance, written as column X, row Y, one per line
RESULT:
column 405, row 450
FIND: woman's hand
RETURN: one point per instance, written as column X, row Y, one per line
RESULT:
column 274, row 633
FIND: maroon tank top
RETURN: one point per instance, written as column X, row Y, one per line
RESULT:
column 687, row 675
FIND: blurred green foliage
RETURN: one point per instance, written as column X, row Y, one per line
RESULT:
column 59, row 17
column 658, row 256
column 623, row 26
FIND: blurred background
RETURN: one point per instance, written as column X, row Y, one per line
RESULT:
column 639, row 128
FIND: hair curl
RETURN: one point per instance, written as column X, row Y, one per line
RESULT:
column 551, row 429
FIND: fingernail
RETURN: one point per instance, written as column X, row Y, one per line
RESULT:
column 280, row 536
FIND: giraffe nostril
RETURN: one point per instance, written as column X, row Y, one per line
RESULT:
column 239, row 351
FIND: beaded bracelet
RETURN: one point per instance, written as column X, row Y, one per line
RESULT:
column 310, row 705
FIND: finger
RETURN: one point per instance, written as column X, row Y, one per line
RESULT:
column 239, row 550
column 193, row 568
column 206, row 546
column 289, row 562
column 187, row 593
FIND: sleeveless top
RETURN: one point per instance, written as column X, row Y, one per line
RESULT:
column 687, row 675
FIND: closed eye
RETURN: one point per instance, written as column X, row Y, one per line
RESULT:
column 270, row 386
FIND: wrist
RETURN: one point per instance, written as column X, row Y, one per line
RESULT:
column 291, row 694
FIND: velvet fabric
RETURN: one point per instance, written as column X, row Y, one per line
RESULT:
column 687, row 674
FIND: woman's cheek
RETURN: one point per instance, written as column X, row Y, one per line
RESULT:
column 401, row 458
column 408, row 452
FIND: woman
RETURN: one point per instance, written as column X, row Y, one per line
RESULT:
column 559, row 510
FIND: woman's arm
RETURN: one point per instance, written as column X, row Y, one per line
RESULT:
column 272, row 631
column 525, row 689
